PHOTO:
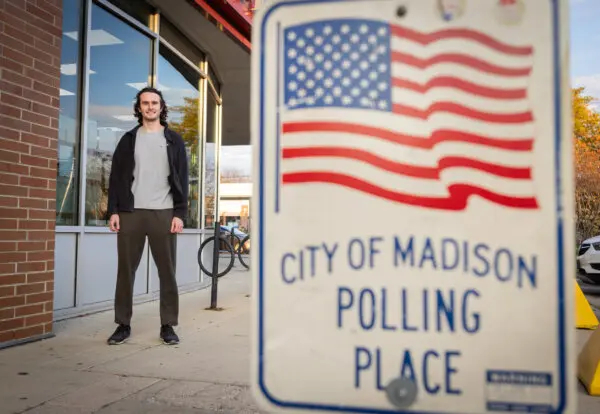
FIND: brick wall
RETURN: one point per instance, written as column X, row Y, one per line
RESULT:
column 30, row 42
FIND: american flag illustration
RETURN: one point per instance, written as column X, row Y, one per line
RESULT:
column 421, row 119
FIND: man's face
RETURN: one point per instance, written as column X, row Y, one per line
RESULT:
column 150, row 106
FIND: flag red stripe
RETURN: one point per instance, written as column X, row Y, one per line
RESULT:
column 462, row 111
column 432, row 173
column 465, row 86
column 460, row 59
column 459, row 193
column 430, row 142
column 428, row 38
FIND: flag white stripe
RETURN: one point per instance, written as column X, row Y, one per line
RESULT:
column 422, row 76
column 408, row 155
column 446, row 46
column 424, row 100
column 411, row 185
column 409, row 125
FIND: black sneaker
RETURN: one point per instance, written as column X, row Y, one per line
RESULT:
column 168, row 335
column 120, row 335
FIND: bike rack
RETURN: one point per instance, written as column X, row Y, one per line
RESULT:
column 215, row 266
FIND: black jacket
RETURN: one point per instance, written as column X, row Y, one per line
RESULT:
column 120, row 196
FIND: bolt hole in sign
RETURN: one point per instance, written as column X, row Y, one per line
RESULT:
column 413, row 170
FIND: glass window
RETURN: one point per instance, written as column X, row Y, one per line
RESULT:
column 210, row 156
column 67, row 176
column 183, row 45
column 120, row 65
column 180, row 85
column 235, row 185
column 138, row 9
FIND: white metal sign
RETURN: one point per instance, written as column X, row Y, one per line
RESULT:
column 413, row 245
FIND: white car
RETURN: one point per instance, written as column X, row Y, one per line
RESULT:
column 588, row 256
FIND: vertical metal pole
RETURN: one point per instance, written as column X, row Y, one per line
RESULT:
column 217, row 222
column 215, row 267
column 84, row 85
column 154, row 25
column 201, row 152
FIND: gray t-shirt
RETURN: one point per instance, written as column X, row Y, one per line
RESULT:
column 151, row 189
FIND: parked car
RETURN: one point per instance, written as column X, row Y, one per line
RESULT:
column 588, row 258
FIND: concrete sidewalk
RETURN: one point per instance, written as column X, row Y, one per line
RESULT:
column 77, row 373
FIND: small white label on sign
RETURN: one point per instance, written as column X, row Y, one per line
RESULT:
column 530, row 392
column 414, row 198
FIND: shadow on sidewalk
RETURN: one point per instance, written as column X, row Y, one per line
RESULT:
column 77, row 372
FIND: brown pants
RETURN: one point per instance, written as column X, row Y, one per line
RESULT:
column 135, row 226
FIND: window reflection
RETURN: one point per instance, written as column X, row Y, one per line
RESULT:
column 177, row 40
column 138, row 9
column 180, row 84
column 210, row 161
column 67, row 177
column 120, row 63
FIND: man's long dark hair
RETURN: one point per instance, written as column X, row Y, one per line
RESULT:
column 164, row 111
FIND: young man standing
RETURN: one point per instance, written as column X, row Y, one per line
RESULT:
column 147, row 197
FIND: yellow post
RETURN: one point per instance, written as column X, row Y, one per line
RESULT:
column 588, row 364
column 586, row 319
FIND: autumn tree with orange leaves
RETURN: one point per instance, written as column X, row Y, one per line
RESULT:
column 188, row 127
column 586, row 129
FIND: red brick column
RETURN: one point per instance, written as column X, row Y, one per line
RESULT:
column 30, row 42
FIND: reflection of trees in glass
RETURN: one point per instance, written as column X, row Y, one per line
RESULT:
column 188, row 127
column 66, row 187
column 96, row 202
column 67, row 173
column 209, row 182
column 67, row 177
column 111, row 93
column 210, row 166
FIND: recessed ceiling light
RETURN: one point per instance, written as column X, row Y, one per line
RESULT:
column 125, row 118
column 70, row 69
column 140, row 85
column 97, row 37
column 113, row 129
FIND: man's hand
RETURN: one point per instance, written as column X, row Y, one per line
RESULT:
column 176, row 225
column 115, row 224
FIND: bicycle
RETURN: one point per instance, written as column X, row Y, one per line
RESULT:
column 240, row 247
column 234, row 239
column 230, row 248
column 244, row 248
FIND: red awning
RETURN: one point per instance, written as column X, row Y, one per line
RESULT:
column 235, row 17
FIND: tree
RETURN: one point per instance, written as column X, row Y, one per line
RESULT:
column 586, row 121
column 187, row 125
column 188, row 128
column 586, row 129
column 234, row 175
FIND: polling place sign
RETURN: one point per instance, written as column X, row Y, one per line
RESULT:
column 413, row 239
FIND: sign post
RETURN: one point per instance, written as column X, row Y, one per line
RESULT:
column 414, row 194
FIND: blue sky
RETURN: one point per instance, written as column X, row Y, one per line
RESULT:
column 585, row 54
